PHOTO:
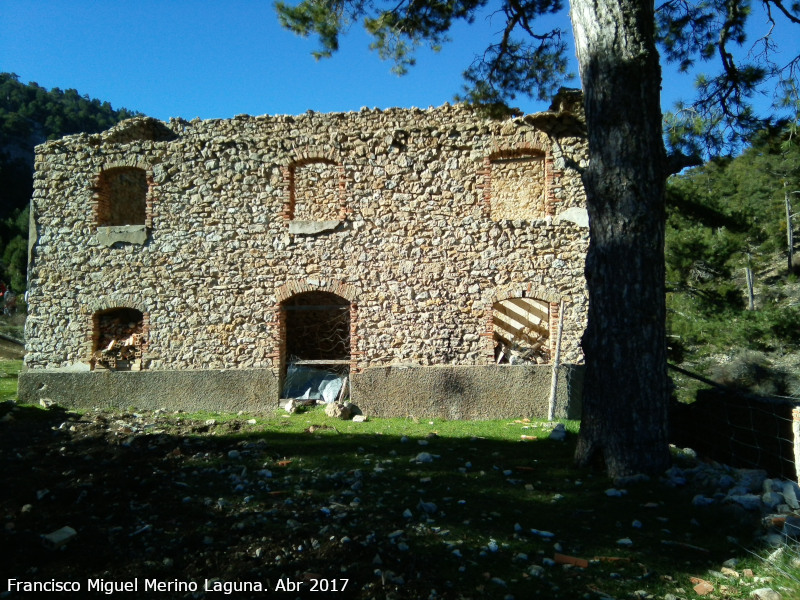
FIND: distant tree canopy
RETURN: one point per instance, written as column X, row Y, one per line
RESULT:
column 30, row 115
column 29, row 110
column 724, row 217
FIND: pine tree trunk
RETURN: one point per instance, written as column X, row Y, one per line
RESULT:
column 626, row 396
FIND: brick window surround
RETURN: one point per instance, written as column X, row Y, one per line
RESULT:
column 493, row 171
column 123, row 196
column 314, row 190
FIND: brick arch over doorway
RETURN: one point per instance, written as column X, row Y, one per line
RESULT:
column 106, row 305
column 317, row 327
column 327, row 290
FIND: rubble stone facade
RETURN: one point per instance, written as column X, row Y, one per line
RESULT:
column 212, row 245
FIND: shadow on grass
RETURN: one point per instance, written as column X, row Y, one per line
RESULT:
column 158, row 498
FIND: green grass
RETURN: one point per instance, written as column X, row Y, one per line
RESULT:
column 783, row 566
column 503, row 429
column 8, row 384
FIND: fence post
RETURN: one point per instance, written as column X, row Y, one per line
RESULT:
column 551, row 411
column 796, row 440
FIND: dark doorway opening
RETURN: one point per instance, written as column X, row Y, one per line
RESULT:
column 317, row 327
column 317, row 346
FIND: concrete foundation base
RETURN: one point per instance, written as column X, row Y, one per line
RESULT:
column 468, row 392
column 252, row 391
column 450, row 392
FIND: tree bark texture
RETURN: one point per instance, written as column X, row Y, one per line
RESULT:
column 626, row 395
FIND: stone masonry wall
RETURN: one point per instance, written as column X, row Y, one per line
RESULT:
column 417, row 218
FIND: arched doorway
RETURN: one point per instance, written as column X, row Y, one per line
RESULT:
column 316, row 345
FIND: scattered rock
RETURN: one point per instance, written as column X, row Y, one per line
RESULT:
column 789, row 491
column 791, row 527
column 427, row 507
column 700, row 500
column 752, row 479
column 765, row 594
column 730, row 563
column 58, row 538
column 747, row 501
column 559, row 433
column 336, row 410
column 544, row 534
column 771, row 499
column 536, row 571
column 702, row 587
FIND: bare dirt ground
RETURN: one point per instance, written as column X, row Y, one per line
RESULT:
column 11, row 328
column 11, row 350
column 150, row 504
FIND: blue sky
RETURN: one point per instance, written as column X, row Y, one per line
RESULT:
column 182, row 58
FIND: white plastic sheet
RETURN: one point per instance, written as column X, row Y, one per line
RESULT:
column 307, row 383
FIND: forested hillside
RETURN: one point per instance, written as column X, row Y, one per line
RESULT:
column 30, row 115
column 733, row 296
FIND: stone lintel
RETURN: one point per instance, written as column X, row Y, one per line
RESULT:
column 579, row 216
column 312, row 227
column 130, row 234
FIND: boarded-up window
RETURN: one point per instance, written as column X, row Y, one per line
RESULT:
column 518, row 188
column 315, row 191
column 119, row 338
column 122, row 197
column 521, row 331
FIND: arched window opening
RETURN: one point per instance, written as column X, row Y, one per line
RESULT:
column 119, row 338
column 521, row 331
column 518, row 189
column 317, row 346
column 122, row 197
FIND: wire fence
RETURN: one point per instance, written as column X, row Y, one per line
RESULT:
column 739, row 429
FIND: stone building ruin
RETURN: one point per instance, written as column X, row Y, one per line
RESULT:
column 423, row 255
